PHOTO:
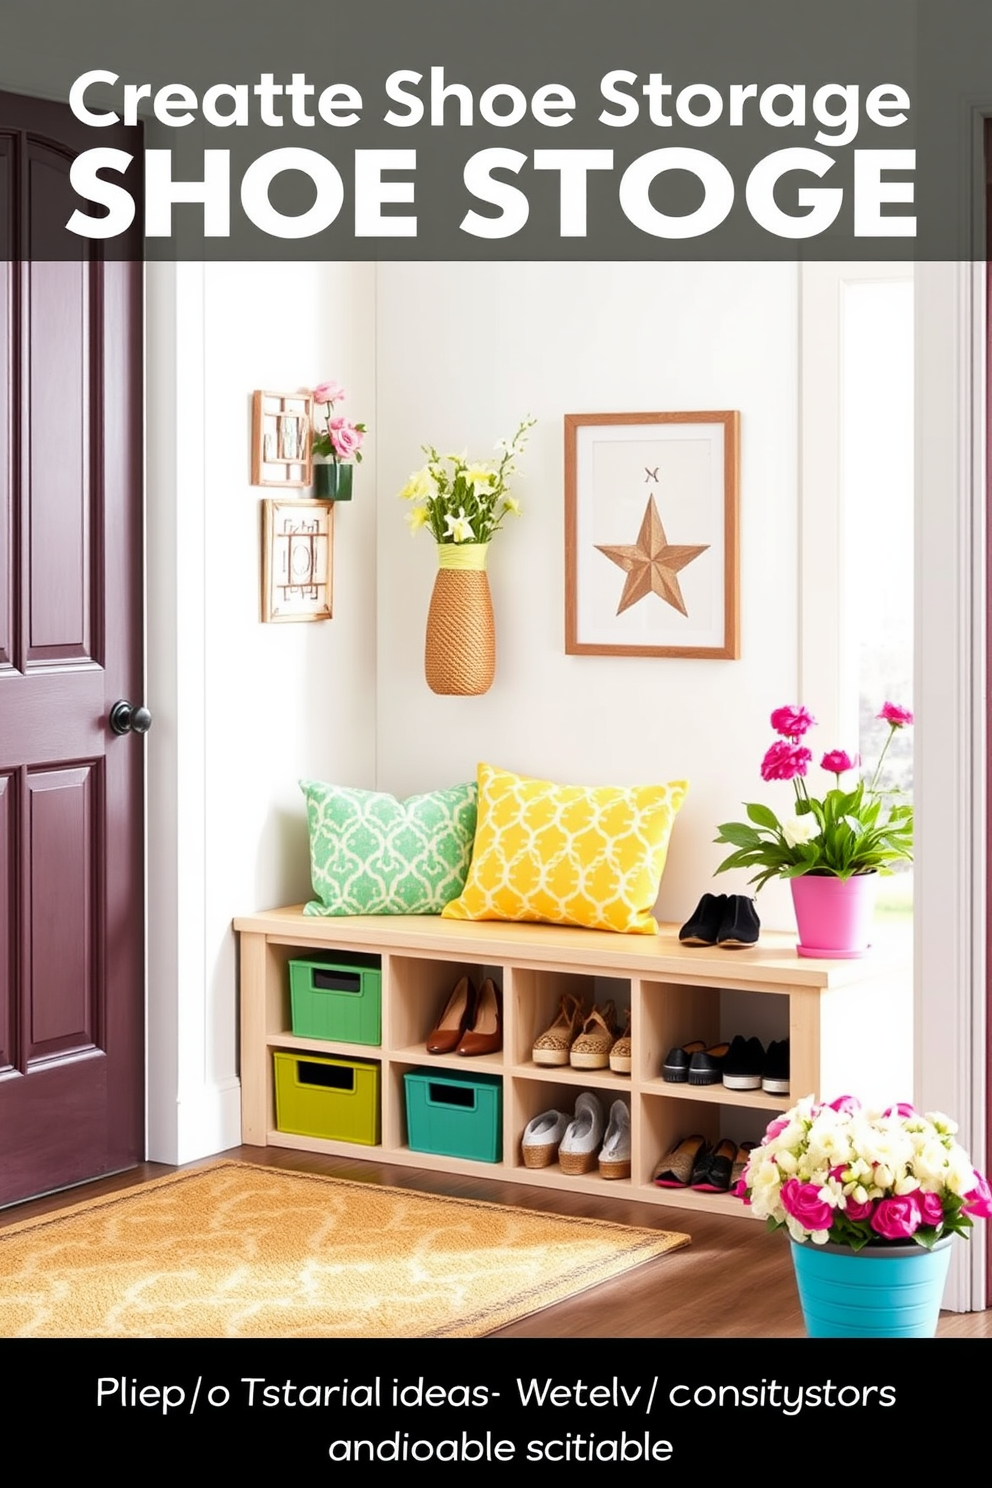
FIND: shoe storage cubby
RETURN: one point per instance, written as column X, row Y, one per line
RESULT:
column 847, row 1023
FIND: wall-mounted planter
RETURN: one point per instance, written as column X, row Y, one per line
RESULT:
column 332, row 480
column 460, row 653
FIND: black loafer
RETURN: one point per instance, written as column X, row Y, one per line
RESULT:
column 739, row 925
column 775, row 1077
column 744, row 1065
column 707, row 1068
column 713, row 1170
column 703, row 927
column 676, row 1066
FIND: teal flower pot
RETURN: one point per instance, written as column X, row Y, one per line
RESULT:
column 332, row 481
column 891, row 1291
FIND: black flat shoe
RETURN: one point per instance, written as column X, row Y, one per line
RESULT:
column 712, row 1172
column 706, row 1068
column 703, row 927
column 744, row 1065
column 775, row 1076
column 676, row 1066
column 739, row 925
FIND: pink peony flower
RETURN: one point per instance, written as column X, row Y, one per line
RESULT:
column 978, row 1201
column 345, row 437
column 845, row 1104
column 902, row 1109
column 792, row 723
column 897, row 1218
column 837, row 761
column 857, row 1211
column 784, row 761
column 803, row 1202
column 328, row 392
column 892, row 713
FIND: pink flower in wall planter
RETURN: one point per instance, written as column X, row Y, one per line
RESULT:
column 336, row 445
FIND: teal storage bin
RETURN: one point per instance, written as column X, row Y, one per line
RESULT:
column 318, row 1096
column 452, row 1114
column 339, row 999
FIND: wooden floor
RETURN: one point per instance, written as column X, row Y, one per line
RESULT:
column 733, row 1281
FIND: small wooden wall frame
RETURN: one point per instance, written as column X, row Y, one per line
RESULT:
column 297, row 560
column 281, row 439
column 651, row 534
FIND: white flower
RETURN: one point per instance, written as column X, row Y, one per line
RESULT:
column 798, row 830
column 459, row 528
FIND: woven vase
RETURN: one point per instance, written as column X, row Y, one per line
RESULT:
column 460, row 652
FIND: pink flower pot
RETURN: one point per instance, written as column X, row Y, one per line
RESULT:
column 834, row 915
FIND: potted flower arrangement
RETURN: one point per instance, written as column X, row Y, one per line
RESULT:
column 851, row 1185
column 831, row 847
column 463, row 503
column 335, row 446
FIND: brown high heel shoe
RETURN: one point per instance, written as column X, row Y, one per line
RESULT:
column 485, row 1036
column 458, row 1015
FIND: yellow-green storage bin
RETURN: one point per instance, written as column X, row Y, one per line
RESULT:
column 339, row 999
column 317, row 1096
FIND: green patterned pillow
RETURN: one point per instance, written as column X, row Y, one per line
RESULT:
column 372, row 854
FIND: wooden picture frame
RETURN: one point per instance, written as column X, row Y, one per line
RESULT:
column 640, row 489
column 281, row 439
column 297, row 560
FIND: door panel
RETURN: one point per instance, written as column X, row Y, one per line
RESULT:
column 71, row 792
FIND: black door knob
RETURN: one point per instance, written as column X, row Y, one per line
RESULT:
column 125, row 718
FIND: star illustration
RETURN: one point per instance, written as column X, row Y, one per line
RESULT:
column 652, row 564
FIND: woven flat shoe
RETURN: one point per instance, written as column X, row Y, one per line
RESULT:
column 542, row 1138
column 674, row 1170
column 584, row 1137
column 552, row 1046
column 591, row 1049
column 614, row 1159
column 620, row 1054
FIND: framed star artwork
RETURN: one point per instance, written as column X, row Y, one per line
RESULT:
column 651, row 534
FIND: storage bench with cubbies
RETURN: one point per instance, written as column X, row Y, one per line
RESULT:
column 849, row 1024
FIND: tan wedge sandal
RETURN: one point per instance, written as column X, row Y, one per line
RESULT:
column 591, row 1049
column 552, row 1046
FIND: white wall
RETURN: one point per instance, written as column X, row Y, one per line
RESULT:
column 242, row 709
column 464, row 349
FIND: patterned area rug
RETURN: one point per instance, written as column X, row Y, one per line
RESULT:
column 238, row 1251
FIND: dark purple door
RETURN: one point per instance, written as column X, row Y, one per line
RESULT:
column 71, row 812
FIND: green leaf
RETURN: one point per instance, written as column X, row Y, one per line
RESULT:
column 739, row 834
column 763, row 815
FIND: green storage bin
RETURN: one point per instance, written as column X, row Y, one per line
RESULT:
column 317, row 1096
column 339, row 999
column 454, row 1114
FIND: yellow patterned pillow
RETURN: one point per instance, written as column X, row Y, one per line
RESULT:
column 568, row 854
